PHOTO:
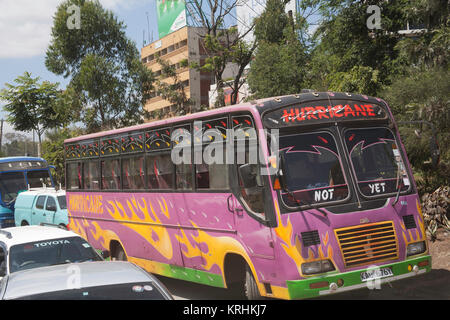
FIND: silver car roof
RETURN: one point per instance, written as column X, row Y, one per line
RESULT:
column 63, row 277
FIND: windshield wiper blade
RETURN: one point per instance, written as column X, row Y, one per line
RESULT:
column 303, row 202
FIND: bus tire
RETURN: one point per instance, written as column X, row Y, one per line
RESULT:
column 24, row 223
column 121, row 255
column 251, row 288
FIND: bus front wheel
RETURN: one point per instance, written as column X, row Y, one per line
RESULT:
column 251, row 288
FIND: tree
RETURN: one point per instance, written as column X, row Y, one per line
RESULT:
column 222, row 44
column 36, row 106
column 53, row 149
column 18, row 144
column 104, row 65
column 345, row 47
column 171, row 88
column 279, row 64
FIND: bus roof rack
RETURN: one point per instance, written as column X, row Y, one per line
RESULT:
column 6, row 233
column 60, row 226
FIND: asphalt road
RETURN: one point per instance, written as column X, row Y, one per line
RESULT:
column 434, row 285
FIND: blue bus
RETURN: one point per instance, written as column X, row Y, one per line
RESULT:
column 18, row 174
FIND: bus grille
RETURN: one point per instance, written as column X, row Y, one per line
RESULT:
column 368, row 244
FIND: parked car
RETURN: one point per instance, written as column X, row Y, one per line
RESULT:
column 29, row 247
column 46, row 205
column 116, row 280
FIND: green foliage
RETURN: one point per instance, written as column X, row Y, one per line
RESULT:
column 111, row 83
column 170, row 88
column 278, row 67
column 32, row 105
column 424, row 95
column 53, row 150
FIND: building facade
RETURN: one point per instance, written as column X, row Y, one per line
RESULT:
column 174, row 48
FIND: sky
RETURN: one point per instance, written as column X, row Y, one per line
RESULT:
column 25, row 33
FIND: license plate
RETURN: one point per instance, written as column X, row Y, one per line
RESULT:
column 376, row 274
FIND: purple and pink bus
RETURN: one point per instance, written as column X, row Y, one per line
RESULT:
column 329, row 206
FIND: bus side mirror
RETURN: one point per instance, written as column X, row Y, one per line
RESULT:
column 250, row 176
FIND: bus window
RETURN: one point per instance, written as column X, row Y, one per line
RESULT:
column 160, row 172
column 39, row 178
column 376, row 161
column 252, row 196
column 312, row 169
column 183, row 176
column 133, row 173
column 212, row 173
column 91, row 175
column 111, row 174
column 74, row 176
column 10, row 184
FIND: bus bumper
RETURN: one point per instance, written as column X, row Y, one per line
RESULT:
column 341, row 282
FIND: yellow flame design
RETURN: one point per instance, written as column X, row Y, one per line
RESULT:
column 107, row 235
column 284, row 233
column 163, row 243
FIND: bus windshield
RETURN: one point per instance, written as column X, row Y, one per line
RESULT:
column 10, row 184
column 39, row 178
column 312, row 169
column 376, row 161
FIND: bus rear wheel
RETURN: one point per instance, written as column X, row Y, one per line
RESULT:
column 119, row 254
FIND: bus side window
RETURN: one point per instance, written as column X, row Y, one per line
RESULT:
column 132, row 173
column 111, row 174
column 90, row 175
column 74, row 176
column 212, row 173
column 159, row 172
column 183, row 176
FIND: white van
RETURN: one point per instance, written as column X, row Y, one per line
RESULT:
column 43, row 205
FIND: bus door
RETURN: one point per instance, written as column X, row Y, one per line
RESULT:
column 251, row 197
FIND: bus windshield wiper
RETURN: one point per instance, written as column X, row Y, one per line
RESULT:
column 301, row 202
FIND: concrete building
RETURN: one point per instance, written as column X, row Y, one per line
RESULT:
column 185, row 43
column 175, row 47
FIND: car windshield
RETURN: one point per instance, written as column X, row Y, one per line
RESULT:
column 123, row 291
column 50, row 252
column 62, row 202
column 10, row 184
column 312, row 169
column 39, row 178
column 376, row 161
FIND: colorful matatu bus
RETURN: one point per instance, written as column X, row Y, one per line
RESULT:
column 329, row 206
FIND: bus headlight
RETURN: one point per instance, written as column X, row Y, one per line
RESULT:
column 317, row 267
column 415, row 248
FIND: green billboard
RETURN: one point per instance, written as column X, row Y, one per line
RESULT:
column 171, row 16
